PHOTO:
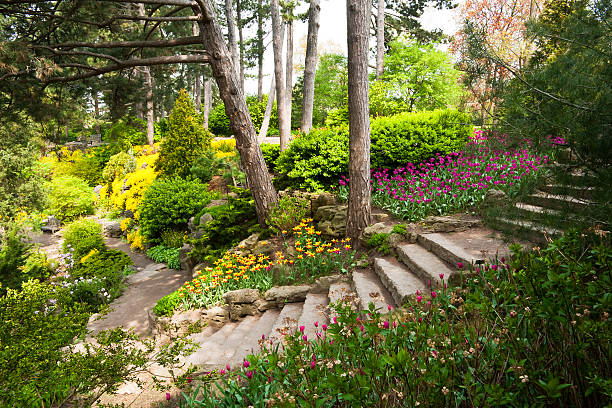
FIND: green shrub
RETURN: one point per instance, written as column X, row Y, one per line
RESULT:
column 379, row 241
column 270, row 153
column 167, row 305
column 317, row 160
column 186, row 139
column 399, row 229
column 218, row 122
column 13, row 256
column 206, row 166
column 163, row 254
column 119, row 165
column 131, row 130
column 172, row 238
column 82, row 236
column 288, row 213
column 337, row 117
column 169, row 203
column 70, row 197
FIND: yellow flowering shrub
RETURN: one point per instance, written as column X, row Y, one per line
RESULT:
column 227, row 145
column 136, row 240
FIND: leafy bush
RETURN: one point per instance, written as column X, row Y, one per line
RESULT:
column 173, row 239
column 315, row 161
column 337, row 117
column 536, row 332
column 70, row 197
column 186, row 139
column 13, row 256
column 167, row 305
column 131, row 130
column 82, row 236
column 163, row 254
column 218, row 122
column 168, row 204
column 206, row 166
column 119, row 165
column 400, row 229
column 288, row 213
column 379, row 241
column 270, row 153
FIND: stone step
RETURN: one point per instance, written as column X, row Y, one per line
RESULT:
column 535, row 210
column 424, row 264
column 577, row 191
column 398, row 279
column 446, row 249
column 369, row 288
column 532, row 231
column 286, row 322
column 244, row 342
column 556, row 202
column 314, row 311
column 211, row 346
column 341, row 292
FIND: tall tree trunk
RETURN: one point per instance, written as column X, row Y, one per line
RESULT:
column 380, row 39
column 97, row 111
column 66, row 131
column 237, row 111
column 284, row 123
column 207, row 101
column 310, row 65
column 263, row 131
column 231, row 34
column 260, row 51
column 197, row 86
column 359, row 211
column 240, row 43
column 150, row 113
column 289, row 72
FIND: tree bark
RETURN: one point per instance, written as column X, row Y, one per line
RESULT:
column 97, row 111
column 310, row 65
column 260, row 51
column 380, row 39
column 289, row 73
column 231, row 34
column 240, row 43
column 149, row 100
column 207, row 101
column 263, row 131
column 237, row 111
column 359, row 211
column 284, row 123
column 197, row 86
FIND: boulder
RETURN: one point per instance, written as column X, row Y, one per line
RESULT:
column 287, row 294
column 217, row 315
column 50, row 224
column 190, row 224
column 378, row 228
column 495, row 198
column 197, row 270
column 205, row 219
column 395, row 239
column 247, row 244
column 187, row 263
column 263, row 247
column 112, row 229
column 448, row 224
column 328, row 212
column 216, row 203
column 241, row 296
column 322, row 284
column 186, row 321
column 97, row 189
column 238, row 310
column 319, row 200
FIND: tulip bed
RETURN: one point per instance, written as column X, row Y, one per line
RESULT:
column 448, row 183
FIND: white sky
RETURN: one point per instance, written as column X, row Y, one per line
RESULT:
column 332, row 36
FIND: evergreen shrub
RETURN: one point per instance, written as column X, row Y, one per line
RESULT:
column 270, row 153
column 70, row 197
column 82, row 236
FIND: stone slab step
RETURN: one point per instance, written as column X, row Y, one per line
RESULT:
column 582, row 192
column 534, row 232
column 341, row 292
column 535, row 209
column 398, row 280
column 286, row 322
column 314, row 310
column 424, row 264
column 369, row 288
column 211, row 346
column 248, row 342
column 236, row 339
column 556, row 202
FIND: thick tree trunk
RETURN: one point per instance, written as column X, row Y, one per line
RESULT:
column 237, row 111
column 359, row 211
column 263, row 131
column 240, row 43
column 197, row 86
column 310, row 65
column 207, row 101
column 289, row 73
column 149, row 101
column 231, row 34
column 97, row 111
column 380, row 39
column 284, row 122
column 260, row 51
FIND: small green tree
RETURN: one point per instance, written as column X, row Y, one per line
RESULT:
column 186, row 140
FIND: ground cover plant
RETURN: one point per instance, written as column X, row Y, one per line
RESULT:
column 164, row 254
column 449, row 183
column 531, row 331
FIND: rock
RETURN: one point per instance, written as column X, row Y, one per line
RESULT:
column 198, row 269
column 247, row 244
column 190, row 224
column 216, row 203
column 263, row 247
column 328, row 212
column 380, row 217
column 447, row 224
column 263, row 305
column 241, row 296
column 495, row 198
column 287, row 294
column 217, row 315
column 238, row 310
column 319, row 200
column 51, row 224
column 144, row 166
column 378, row 228
column 187, row 263
column 186, row 321
column 395, row 239
column 205, row 219
column 97, row 189
column 322, row 284
column 112, row 229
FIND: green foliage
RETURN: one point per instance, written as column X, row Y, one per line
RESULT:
column 186, row 140
column 479, row 344
column 206, row 166
column 70, row 197
column 399, row 229
column 13, row 256
column 315, row 161
column 172, row 238
column 163, row 254
column 270, row 153
column 119, row 165
column 218, row 122
column 169, row 203
column 82, row 236
column 288, row 213
column 337, row 117
column 331, row 86
column 167, row 305
column 379, row 241
column 131, row 130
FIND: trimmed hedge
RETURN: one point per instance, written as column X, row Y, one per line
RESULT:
column 317, row 160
